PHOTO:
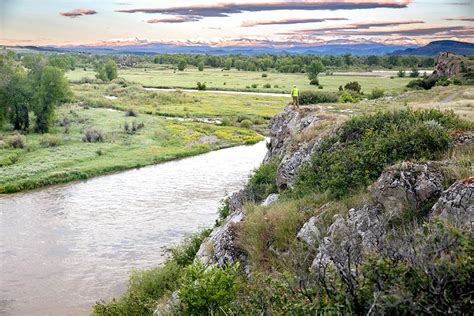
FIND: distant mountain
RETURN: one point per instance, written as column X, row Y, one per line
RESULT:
column 436, row 47
column 358, row 49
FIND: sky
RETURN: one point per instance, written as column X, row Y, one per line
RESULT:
column 222, row 23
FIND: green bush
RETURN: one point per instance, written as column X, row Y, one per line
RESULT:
column 365, row 145
column 49, row 140
column 264, row 75
column 353, row 86
column 444, row 82
column 16, row 141
column 254, row 85
column 246, row 123
column 208, row 291
column 426, row 83
column 267, row 86
column 263, row 181
column 376, row 94
column 201, row 86
column 184, row 253
column 312, row 97
column 346, row 97
column 93, row 135
column 314, row 82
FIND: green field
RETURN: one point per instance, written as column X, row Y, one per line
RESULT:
column 63, row 156
column 159, row 76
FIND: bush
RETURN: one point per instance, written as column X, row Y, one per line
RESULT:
column 16, row 141
column 314, row 82
column 414, row 73
column 311, row 97
column 346, row 97
column 353, row 86
column 376, row 94
column 93, row 135
column 264, row 75
column 426, row 84
column 201, row 86
column 134, row 128
column 401, row 73
column 263, row 181
column 49, row 140
column 131, row 112
column 208, row 291
column 365, row 145
column 267, row 86
column 254, row 85
column 444, row 82
column 246, row 123
column 184, row 253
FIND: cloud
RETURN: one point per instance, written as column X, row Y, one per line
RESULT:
column 78, row 12
column 224, row 9
column 445, row 30
column 289, row 21
column 177, row 19
column 461, row 19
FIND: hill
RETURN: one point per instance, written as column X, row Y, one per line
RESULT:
column 437, row 47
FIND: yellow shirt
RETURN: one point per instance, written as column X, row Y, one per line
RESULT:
column 295, row 92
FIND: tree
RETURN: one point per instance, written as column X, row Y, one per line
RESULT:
column 201, row 66
column 182, row 65
column 314, row 69
column 228, row 64
column 401, row 73
column 50, row 91
column 414, row 72
column 107, row 71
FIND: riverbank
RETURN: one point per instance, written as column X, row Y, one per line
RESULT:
column 87, row 142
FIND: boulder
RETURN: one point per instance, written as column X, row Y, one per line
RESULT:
column 271, row 198
column 456, row 204
column 310, row 233
column 407, row 186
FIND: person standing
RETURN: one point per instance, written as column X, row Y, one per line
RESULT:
column 295, row 94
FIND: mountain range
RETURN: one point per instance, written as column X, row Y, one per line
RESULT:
column 356, row 49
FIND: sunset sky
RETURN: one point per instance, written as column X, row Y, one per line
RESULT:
column 222, row 22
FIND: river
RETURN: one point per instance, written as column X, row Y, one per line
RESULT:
column 64, row 247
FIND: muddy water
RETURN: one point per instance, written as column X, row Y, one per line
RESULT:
column 64, row 247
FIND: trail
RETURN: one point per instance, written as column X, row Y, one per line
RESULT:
column 451, row 97
column 221, row 92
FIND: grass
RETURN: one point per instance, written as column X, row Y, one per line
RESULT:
column 159, row 76
column 177, row 103
column 38, row 164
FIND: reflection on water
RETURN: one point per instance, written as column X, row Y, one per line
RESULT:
column 64, row 247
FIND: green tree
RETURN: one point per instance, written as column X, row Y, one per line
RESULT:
column 107, row 71
column 314, row 69
column 201, row 66
column 414, row 72
column 182, row 65
column 401, row 73
column 50, row 91
column 228, row 63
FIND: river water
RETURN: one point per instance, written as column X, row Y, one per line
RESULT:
column 64, row 247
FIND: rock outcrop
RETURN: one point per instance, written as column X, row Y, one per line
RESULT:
column 456, row 204
column 407, row 186
column 449, row 65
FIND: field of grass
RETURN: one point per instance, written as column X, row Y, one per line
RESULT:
column 124, row 96
column 62, row 157
column 160, row 76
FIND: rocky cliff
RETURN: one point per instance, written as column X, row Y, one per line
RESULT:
column 400, row 190
column 450, row 65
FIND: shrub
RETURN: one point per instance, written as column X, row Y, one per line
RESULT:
column 264, row 75
column 365, row 145
column 311, row 97
column 131, row 112
column 444, row 82
column 263, row 181
column 208, row 291
column 401, row 73
column 376, row 94
column 314, row 82
column 246, row 123
column 16, row 141
column 414, row 72
column 49, row 140
column 93, row 135
column 353, row 86
column 134, row 128
column 201, row 66
column 346, row 97
column 254, row 85
column 426, row 84
column 267, row 86
column 201, row 86
column 184, row 253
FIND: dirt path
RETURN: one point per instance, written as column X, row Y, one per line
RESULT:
column 451, row 97
column 221, row 92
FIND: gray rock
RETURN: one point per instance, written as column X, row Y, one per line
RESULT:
column 456, row 204
column 271, row 198
column 287, row 170
column 310, row 233
column 237, row 201
column 407, row 187
column 220, row 247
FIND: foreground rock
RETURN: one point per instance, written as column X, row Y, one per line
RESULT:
column 456, row 204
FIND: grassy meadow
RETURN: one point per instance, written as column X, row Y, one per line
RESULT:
column 64, row 156
column 218, row 79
